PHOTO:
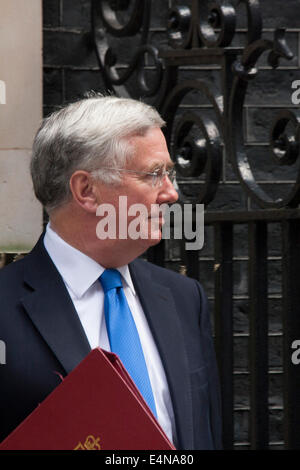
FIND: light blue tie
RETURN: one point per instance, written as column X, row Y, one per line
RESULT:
column 122, row 333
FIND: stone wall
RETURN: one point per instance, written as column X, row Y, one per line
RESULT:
column 21, row 91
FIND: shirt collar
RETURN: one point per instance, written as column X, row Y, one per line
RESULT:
column 78, row 270
column 125, row 273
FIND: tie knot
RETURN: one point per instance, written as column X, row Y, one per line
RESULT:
column 110, row 279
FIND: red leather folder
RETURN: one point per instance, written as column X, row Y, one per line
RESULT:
column 97, row 406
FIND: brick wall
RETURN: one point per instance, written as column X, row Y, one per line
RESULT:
column 70, row 65
column 71, row 69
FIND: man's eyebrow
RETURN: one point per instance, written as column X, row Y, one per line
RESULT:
column 160, row 165
column 170, row 165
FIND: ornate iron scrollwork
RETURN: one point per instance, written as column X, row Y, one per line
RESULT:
column 135, row 18
column 245, row 70
column 198, row 155
column 198, row 34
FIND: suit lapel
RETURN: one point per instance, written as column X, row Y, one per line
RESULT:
column 51, row 309
column 160, row 310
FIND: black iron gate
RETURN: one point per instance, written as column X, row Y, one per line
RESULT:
column 198, row 68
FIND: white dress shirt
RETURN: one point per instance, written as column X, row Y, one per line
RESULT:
column 80, row 275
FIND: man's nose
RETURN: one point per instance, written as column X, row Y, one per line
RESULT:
column 168, row 192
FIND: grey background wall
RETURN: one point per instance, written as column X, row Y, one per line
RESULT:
column 20, row 212
column 71, row 69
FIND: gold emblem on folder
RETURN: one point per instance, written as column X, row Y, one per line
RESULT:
column 91, row 443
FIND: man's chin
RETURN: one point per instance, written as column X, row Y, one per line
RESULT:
column 152, row 239
column 156, row 239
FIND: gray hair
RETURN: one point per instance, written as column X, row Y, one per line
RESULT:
column 86, row 135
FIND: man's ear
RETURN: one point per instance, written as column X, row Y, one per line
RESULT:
column 84, row 190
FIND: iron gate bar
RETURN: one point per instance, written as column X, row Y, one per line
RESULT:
column 241, row 217
column 223, row 233
column 291, row 330
column 156, row 254
column 190, row 261
column 258, row 312
column 211, row 56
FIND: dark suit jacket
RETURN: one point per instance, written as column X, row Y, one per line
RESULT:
column 43, row 335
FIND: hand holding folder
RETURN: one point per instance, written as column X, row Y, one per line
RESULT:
column 97, row 406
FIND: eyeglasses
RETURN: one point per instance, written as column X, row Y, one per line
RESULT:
column 156, row 177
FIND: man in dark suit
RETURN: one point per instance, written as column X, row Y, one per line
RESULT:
column 85, row 157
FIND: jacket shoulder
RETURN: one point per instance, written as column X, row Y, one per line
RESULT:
column 168, row 277
column 12, row 280
column 12, row 270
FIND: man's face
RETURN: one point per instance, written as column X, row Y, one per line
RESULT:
column 151, row 153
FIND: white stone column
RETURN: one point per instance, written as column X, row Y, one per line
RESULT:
column 20, row 116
